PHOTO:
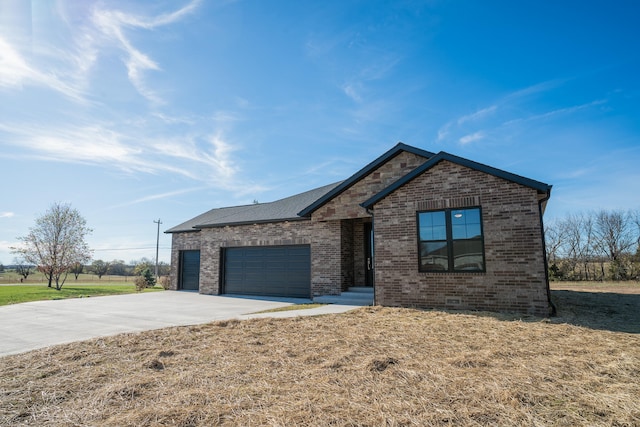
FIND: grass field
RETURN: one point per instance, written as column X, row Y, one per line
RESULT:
column 13, row 294
column 373, row 366
column 12, row 291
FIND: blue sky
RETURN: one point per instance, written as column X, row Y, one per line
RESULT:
column 134, row 110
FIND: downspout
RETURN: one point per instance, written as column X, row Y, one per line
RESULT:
column 544, row 254
column 373, row 254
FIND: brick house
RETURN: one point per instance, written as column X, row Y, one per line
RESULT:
column 422, row 229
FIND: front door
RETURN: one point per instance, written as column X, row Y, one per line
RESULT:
column 368, row 253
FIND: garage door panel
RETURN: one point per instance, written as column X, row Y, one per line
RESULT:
column 189, row 278
column 268, row 270
column 276, row 265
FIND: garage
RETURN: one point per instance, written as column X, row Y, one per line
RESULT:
column 189, row 278
column 283, row 271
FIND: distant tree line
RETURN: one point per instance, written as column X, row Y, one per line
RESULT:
column 99, row 268
column 598, row 245
column 120, row 268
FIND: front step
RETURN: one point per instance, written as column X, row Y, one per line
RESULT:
column 361, row 296
column 361, row 289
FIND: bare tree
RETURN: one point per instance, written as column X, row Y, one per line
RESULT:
column 573, row 244
column 56, row 243
column 635, row 215
column 588, row 244
column 615, row 237
column 554, row 239
column 594, row 246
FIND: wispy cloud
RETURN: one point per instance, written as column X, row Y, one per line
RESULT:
column 16, row 72
column 447, row 128
column 204, row 158
column 533, row 90
column 113, row 25
column 6, row 214
column 83, row 144
column 472, row 137
column 480, row 114
column 555, row 113
column 352, row 91
column 65, row 67
column 511, row 110
column 171, row 120
column 223, row 118
column 358, row 82
column 158, row 196
column 211, row 151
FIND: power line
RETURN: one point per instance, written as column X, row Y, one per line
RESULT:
column 129, row 249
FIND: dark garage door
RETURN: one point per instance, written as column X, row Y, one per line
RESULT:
column 268, row 270
column 189, row 270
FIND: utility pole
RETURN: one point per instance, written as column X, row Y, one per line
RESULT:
column 157, row 243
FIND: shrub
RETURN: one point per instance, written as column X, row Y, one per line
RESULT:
column 148, row 277
column 145, row 280
column 140, row 283
column 164, row 282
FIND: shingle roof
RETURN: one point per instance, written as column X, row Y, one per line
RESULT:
column 301, row 206
column 280, row 210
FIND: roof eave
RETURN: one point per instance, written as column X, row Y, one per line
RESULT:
column 259, row 221
column 171, row 231
column 393, row 152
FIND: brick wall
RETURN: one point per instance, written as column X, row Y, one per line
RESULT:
column 514, row 279
column 347, row 204
column 325, row 240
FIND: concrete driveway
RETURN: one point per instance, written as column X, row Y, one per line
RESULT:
column 33, row 325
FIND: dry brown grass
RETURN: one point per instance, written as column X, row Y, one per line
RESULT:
column 370, row 367
column 612, row 306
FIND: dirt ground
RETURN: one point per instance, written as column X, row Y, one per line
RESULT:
column 613, row 306
column 373, row 366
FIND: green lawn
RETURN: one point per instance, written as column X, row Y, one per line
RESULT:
column 14, row 294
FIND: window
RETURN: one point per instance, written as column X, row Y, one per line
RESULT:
column 450, row 240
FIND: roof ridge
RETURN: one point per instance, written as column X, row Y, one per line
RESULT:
column 370, row 167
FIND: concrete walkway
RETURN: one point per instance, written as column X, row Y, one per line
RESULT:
column 33, row 325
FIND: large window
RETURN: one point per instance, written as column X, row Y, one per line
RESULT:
column 451, row 240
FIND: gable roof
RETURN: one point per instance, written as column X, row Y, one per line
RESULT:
column 397, row 149
column 280, row 210
column 301, row 206
column 537, row 185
